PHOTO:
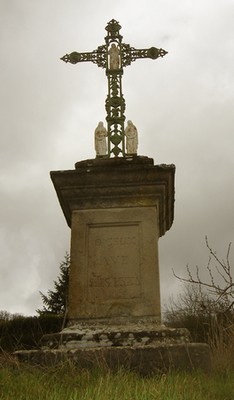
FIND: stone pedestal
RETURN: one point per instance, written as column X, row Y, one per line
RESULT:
column 117, row 210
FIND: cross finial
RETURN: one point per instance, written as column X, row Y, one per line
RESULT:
column 114, row 56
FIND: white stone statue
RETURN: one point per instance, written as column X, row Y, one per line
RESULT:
column 114, row 57
column 131, row 138
column 100, row 140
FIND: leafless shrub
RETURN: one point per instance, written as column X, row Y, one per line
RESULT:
column 219, row 284
column 206, row 306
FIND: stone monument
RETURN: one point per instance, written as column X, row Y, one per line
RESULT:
column 117, row 206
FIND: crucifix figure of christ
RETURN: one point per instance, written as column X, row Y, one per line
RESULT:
column 114, row 56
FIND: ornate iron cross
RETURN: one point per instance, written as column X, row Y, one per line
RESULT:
column 113, row 56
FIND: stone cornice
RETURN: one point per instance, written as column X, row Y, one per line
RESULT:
column 117, row 182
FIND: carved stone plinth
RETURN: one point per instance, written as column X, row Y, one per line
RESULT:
column 117, row 210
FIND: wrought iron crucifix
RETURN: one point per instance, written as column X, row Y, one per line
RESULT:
column 114, row 56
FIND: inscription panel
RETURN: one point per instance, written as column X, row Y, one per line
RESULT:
column 114, row 263
column 114, row 259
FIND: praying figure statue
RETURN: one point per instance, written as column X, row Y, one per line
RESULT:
column 131, row 138
column 100, row 140
column 114, row 57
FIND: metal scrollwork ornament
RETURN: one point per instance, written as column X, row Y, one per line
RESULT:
column 114, row 56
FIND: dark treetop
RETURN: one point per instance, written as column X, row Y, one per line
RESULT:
column 113, row 56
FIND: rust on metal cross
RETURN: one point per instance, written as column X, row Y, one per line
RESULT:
column 114, row 56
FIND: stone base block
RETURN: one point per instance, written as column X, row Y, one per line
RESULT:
column 98, row 334
column 145, row 360
column 141, row 346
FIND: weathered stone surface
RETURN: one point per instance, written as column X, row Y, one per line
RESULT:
column 144, row 360
column 88, row 334
column 141, row 346
column 114, row 263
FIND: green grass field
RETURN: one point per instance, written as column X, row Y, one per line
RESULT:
column 67, row 382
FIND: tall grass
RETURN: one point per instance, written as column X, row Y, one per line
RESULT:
column 221, row 342
column 69, row 382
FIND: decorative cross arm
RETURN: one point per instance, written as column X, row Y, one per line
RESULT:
column 98, row 57
column 129, row 54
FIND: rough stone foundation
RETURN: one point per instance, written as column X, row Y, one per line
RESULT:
column 144, row 348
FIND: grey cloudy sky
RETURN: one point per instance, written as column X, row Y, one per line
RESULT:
column 182, row 105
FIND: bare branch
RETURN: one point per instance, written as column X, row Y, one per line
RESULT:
column 222, row 275
column 224, row 292
column 228, row 253
column 213, row 253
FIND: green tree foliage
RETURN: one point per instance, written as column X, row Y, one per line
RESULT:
column 55, row 302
